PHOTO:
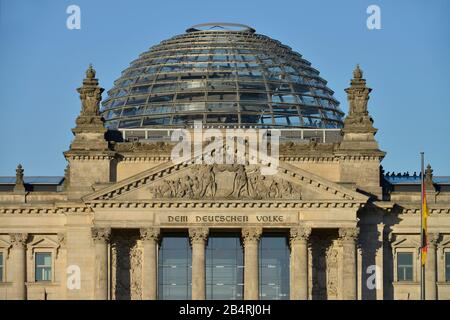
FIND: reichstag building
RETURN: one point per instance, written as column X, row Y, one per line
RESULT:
column 127, row 222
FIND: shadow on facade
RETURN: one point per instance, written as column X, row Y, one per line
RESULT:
column 124, row 243
column 324, row 271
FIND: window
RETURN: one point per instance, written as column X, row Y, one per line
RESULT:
column 1, row 266
column 174, row 267
column 447, row 266
column 224, row 267
column 43, row 271
column 404, row 266
column 274, row 260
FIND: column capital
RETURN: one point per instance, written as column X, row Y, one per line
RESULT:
column 18, row 240
column 101, row 234
column 433, row 238
column 251, row 234
column 198, row 235
column 348, row 234
column 149, row 234
column 300, row 233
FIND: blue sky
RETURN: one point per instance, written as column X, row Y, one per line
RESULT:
column 407, row 63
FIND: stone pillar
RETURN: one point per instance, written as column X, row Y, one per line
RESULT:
column 379, row 261
column 430, row 267
column 149, row 237
column 101, row 237
column 198, row 237
column 348, row 238
column 251, row 236
column 18, row 265
column 299, row 255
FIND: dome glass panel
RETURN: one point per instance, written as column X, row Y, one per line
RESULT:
column 223, row 75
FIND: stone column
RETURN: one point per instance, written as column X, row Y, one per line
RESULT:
column 299, row 255
column 198, row 237
column 149, row 237
column 251, row 236
column 18, row 265
column 430, row 267
column 379, row 261
column 348, row 238
column 101, row 237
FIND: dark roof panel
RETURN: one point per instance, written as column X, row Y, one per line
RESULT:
column 55, row 180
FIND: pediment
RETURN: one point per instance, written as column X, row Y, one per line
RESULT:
column 43, row 242
column 405, row 241
column 190, row 181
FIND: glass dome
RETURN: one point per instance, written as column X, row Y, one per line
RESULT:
column 223, row 75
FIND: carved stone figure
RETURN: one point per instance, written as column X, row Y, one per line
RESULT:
column 428, row 178
column 19, row 187
column 240, row 183
column 210, row 185
column 323, row 266
column 332, row 272
column 126, row 266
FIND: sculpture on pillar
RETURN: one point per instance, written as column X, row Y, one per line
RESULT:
column 428, row 178
column 19, row 187
column 90, row 130
column 358, row 97
column 90, row 94
column 358, row 132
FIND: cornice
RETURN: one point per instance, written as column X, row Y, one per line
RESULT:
column 90, row 155
column 45, row 210
column 224, row 204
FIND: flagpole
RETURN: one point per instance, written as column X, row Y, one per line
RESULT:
column 422, row 267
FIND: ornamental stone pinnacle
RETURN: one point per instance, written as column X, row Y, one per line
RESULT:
column 357, row 73
column 358, row 131
column 90, row 72
column 358, row 94
column 90, row 93
column 90, row 130
column 19, row 187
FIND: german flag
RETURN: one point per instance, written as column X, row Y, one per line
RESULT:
column 425, row 213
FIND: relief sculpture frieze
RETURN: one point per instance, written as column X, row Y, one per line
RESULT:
column 225, row 181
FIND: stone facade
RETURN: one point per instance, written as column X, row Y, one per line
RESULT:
column 119, row 199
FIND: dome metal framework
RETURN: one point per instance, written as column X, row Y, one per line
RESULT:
column 223, row 75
